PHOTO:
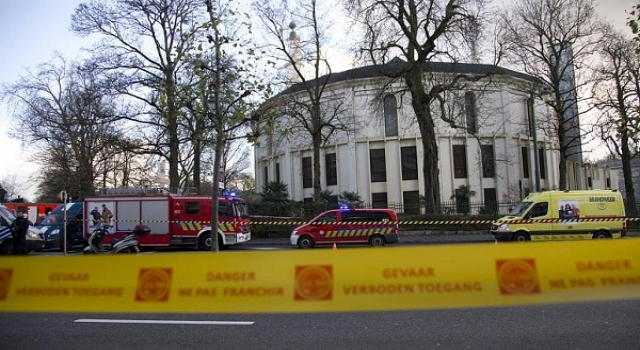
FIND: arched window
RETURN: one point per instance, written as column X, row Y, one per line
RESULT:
column 390, row 116
column 470, row 112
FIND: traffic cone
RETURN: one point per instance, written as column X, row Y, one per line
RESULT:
column 495, row 241
column 335, row 247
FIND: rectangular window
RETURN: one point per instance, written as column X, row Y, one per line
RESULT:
column 379, row 200
column 277, row 172
column 488, row 161
column 543, row 165
column 266, row 175
column 353, row 216
column 331, row 169
column 525, row 162
column 192, row 207
column 378, row 165
column 411, row 202
column 459, row 162
column 307, row 173
column 490, row 200
column 225, row 209
column 409, row 163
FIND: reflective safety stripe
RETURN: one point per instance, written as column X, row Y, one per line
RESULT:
column 560, row 237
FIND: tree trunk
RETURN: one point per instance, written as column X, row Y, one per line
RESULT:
column 626, row 171
column 316, row 167
column 197, row 159
column 562, row 166
column 421, row 103
column 172, row 130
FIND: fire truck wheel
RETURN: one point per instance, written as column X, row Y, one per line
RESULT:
column 205, row 242
column 305, row 242
column 377, row 241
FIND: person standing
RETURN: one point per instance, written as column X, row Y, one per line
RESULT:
column 19, row 228
column 106, row 216
column 95, row 214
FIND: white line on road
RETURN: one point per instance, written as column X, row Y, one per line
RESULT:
column 222, row 323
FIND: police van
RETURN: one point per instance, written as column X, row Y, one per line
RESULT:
column 564, row 215
column 376, row 227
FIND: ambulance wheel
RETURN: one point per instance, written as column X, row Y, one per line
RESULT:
column 305, row 242
column 521, row 237
column 601, row 235
column 377, row 241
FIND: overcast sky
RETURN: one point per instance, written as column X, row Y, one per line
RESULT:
column 32, row 30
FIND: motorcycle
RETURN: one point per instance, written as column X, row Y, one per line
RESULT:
column 128, row 244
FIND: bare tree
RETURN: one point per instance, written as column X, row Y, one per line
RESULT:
column 422, row 32
column 552, row 40
column 143, row 49
column 617, row 96
column 65, row 112
column 235, row 161
column 12, row 186
column 310, row 108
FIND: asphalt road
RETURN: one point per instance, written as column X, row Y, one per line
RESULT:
column 603, row 325
column 596, row 325
column 281, row 243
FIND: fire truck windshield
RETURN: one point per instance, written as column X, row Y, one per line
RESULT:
column 242, row 210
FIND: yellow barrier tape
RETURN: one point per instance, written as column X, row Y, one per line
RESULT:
column 411, row 222
column 323, row 280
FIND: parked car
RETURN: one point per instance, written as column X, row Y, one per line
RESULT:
column 51, row 229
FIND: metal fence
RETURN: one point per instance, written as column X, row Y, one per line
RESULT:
column 457, row 209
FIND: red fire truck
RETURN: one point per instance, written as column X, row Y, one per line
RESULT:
column 33, row 210
column 174, row 220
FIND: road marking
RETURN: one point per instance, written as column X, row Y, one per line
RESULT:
column 220, row 323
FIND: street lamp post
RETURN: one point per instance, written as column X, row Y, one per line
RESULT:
column 218, row 116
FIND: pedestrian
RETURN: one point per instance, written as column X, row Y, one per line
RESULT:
column 19, row 228
column 96, row 216
column 106, row 216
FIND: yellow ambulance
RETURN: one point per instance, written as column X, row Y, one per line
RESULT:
column 563, row 215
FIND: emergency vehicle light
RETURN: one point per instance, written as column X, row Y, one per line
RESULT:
column 230, row 193
column 345, row 205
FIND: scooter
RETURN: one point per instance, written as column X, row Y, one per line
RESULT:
column 128, row 244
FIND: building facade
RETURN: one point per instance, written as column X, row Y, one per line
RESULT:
column 485, row 145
